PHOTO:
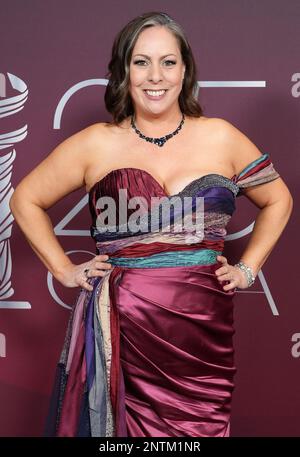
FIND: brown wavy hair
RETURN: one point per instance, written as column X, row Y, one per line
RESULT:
column 117, row 98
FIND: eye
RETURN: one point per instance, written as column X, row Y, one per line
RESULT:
column 172, row 62
column 139, row 61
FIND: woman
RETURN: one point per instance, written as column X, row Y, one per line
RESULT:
column 148, row 349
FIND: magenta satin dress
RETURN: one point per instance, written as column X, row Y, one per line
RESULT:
column 149, row 352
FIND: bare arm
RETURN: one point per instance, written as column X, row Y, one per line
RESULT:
column 60, row 173
column 273, row 199
column 276, row 204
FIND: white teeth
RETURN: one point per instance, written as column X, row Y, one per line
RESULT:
column 155, row 93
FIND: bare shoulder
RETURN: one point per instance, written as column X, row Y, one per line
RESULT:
column 63, row 170
column 95, row 134
column 101, row 133
column 239, row 147
column 81, row 147
column 216, row 128
column 94, row 141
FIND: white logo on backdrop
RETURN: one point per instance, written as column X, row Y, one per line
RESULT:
column 295, row 90
column 295, row 350
column 9, row 105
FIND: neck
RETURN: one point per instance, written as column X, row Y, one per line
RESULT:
column 157, row 125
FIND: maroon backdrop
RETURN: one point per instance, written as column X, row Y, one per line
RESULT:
column 53, row 59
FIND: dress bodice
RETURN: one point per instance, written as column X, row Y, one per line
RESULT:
column 218, row 193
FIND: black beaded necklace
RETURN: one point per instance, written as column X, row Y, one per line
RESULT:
column 158, row 141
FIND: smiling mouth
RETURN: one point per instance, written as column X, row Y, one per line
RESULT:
column 155, row 93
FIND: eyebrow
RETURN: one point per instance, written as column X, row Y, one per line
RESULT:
column 144, row 55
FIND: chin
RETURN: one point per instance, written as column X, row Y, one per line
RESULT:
column 159, row 106
column 158, row 110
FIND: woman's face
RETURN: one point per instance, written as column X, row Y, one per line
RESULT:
column 156, row 71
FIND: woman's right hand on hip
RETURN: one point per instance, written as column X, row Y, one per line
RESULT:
column 77, row 276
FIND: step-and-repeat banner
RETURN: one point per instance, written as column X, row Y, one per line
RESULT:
column 53, row 62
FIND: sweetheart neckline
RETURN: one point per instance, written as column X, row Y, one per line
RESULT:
column 155, row 180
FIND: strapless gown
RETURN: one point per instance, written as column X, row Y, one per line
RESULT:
column 149, row 352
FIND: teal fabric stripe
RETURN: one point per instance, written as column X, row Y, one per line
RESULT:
column 253, row 164
column 169, row 259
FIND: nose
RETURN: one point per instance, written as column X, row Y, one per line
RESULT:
column 155, row 72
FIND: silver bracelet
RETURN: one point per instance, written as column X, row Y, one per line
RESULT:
column 248, row 270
